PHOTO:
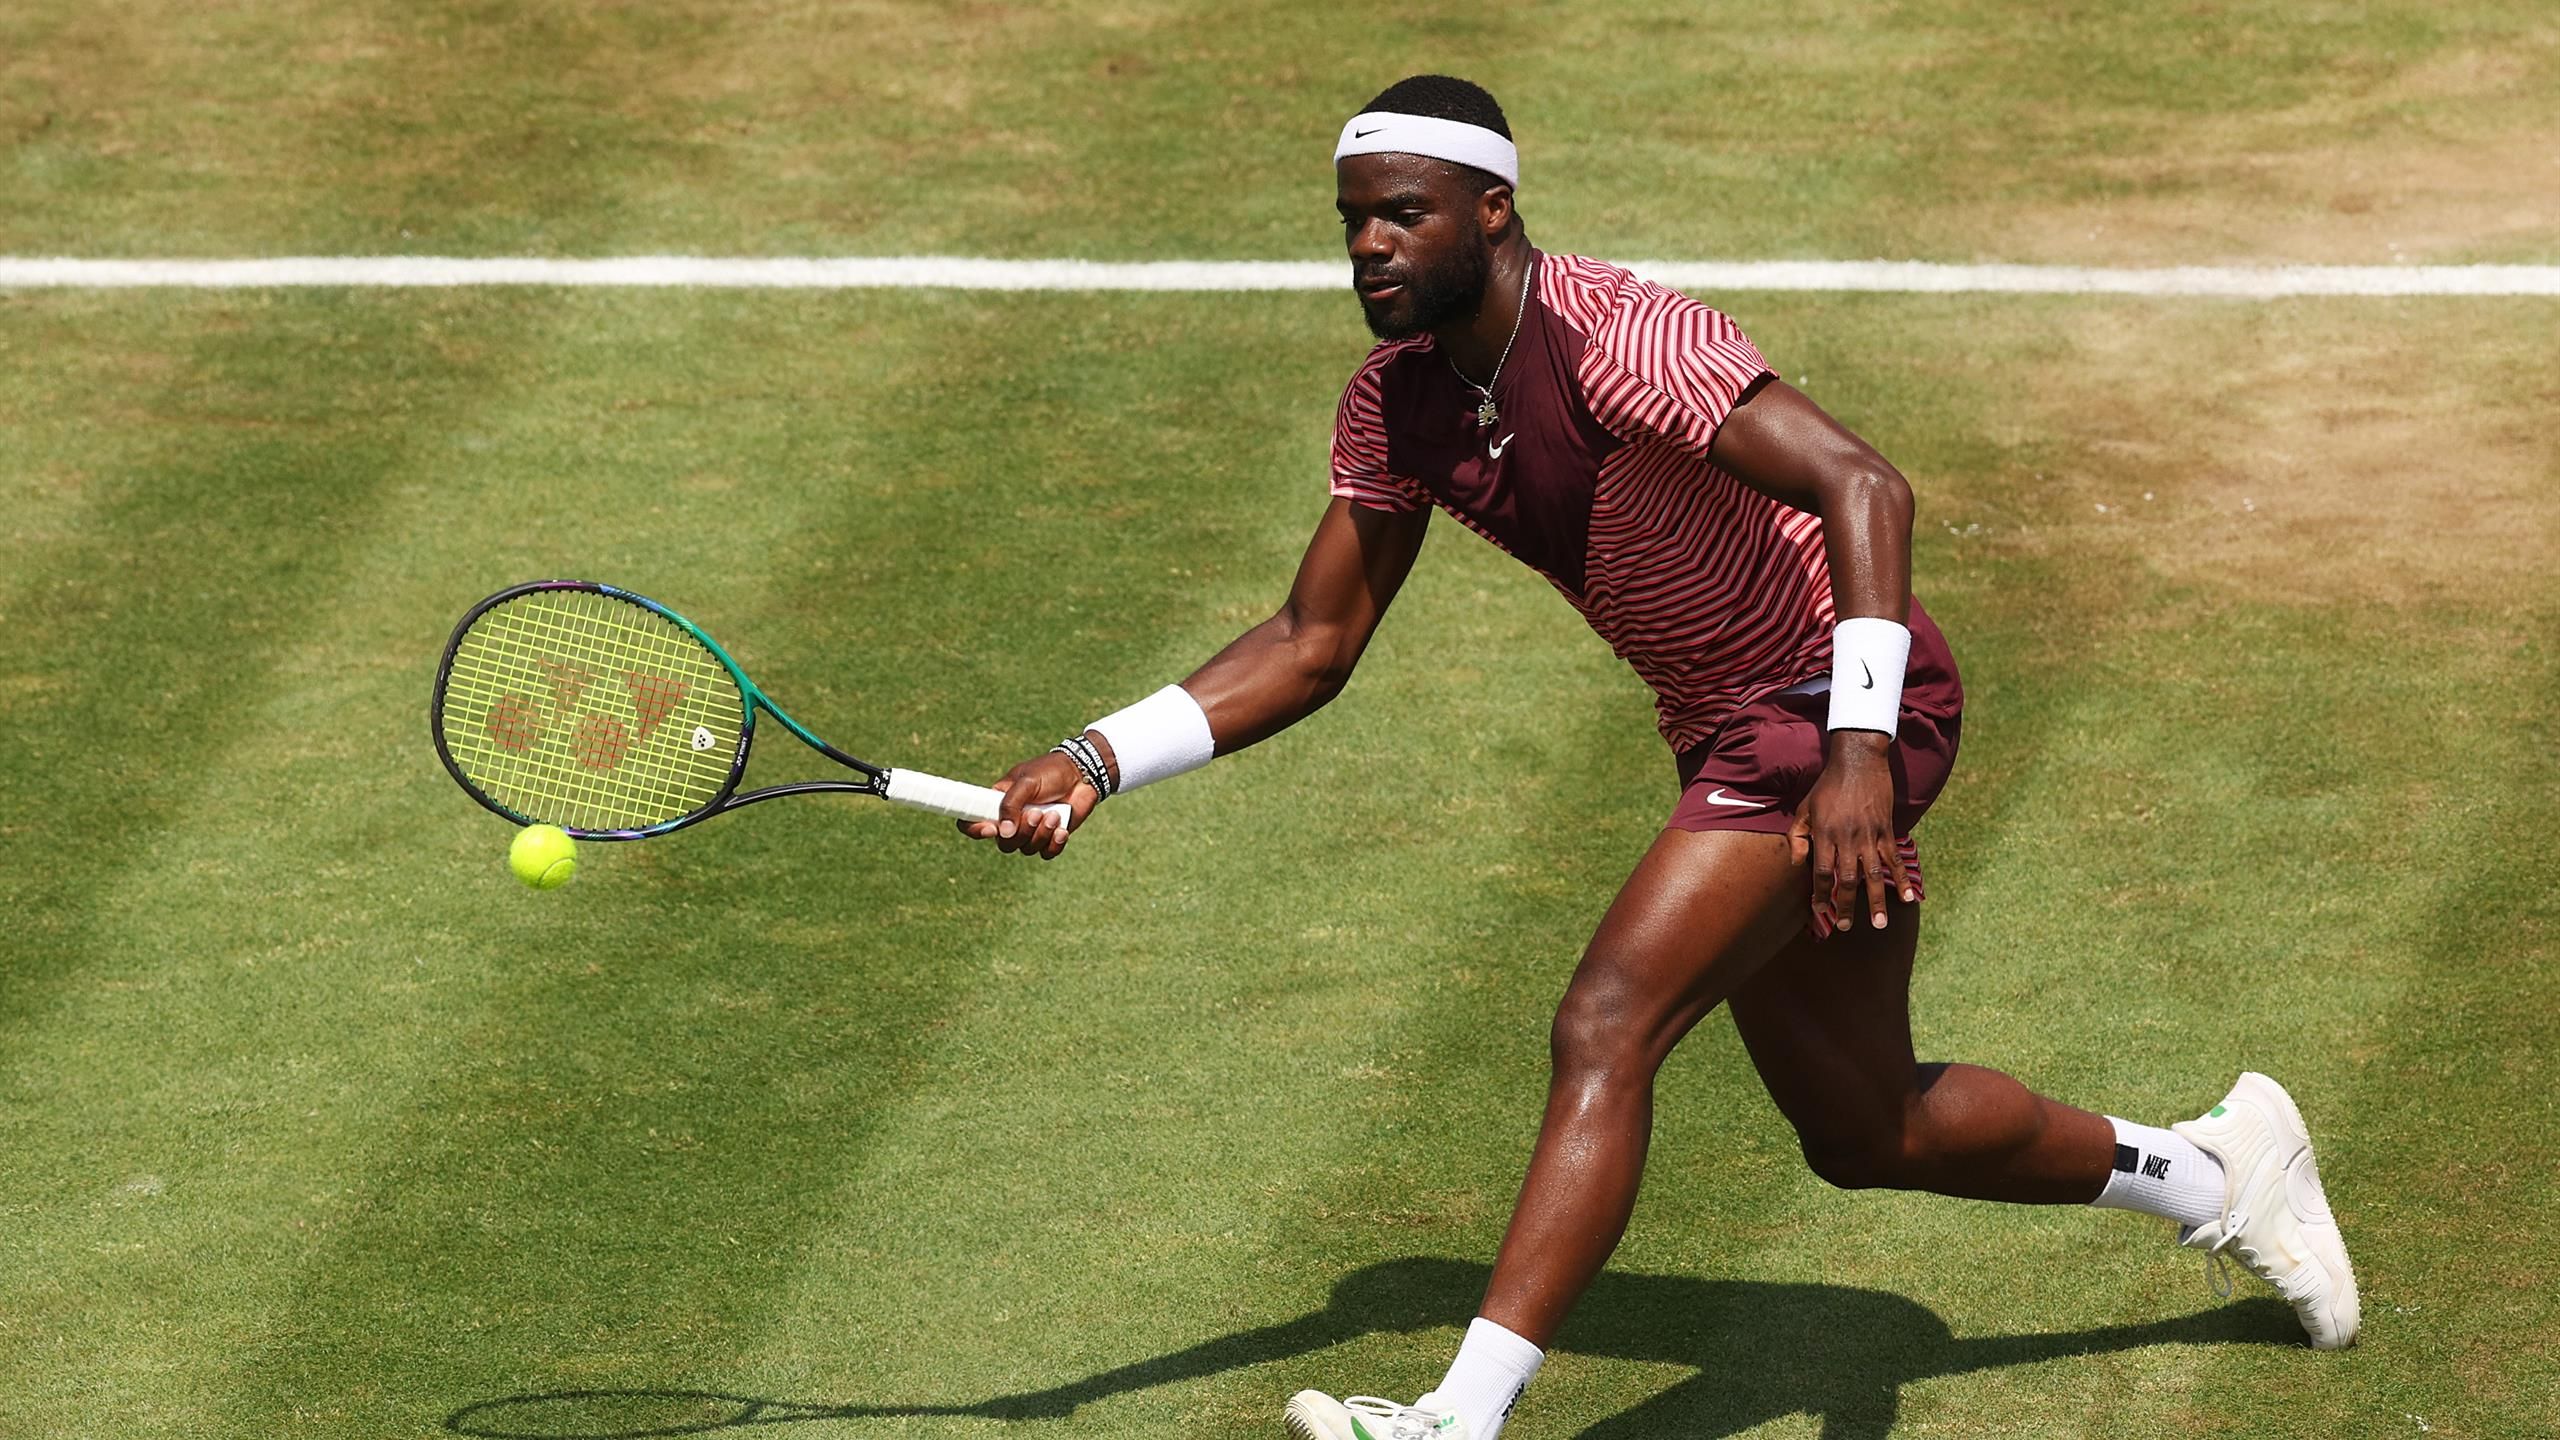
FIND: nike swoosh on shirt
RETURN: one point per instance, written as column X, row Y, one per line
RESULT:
column 1718, row 797
column 1496, row 450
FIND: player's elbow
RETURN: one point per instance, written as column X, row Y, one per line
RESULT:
column 1870, row 488
column 1325, row 665
column 1324, row 653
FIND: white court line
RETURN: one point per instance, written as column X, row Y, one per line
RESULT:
column 961, row 273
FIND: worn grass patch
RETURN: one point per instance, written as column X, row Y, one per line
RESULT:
column 2079, row 134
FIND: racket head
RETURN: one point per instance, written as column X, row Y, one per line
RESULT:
column 569, row 703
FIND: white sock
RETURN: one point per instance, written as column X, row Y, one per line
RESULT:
column 1485, row 1381
column 2159, row 1173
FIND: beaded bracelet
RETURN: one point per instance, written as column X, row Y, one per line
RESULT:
column 1089, row 761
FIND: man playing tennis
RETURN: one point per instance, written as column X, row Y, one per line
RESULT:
column 1751, row 559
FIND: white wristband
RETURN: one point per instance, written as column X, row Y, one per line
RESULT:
column 1867, row 657
column 1158, row 738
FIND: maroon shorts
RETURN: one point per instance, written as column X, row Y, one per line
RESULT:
column 1759, row 765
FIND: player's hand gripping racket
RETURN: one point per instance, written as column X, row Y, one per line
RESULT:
column 611, row 716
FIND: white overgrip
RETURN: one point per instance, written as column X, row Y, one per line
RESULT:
column 955, row 798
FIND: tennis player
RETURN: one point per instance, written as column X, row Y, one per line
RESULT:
column 1750, row 558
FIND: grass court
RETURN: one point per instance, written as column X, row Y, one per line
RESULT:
column 316, row 1124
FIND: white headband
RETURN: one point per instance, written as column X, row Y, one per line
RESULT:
column 1381, row 131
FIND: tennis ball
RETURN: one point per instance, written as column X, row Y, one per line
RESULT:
column 543, row 856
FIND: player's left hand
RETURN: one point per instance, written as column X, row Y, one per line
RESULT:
column 1845, row 827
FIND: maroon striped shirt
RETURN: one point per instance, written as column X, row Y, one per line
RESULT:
column 1597, row 476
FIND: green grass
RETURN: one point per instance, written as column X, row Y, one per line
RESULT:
column 1180, row 128
column 320, row 1123
column 317, row 1124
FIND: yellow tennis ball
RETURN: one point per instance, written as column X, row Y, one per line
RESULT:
column 543, row 856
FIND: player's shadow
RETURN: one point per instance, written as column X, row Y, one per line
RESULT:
column 1761, row 1350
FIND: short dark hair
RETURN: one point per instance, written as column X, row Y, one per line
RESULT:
column 1442, row 97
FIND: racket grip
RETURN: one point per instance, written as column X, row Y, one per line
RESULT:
column 957, row 799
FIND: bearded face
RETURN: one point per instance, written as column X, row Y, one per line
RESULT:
column 1434, row 293
column 1420, row 259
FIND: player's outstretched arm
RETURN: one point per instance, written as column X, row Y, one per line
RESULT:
column 1782, row 444
column 1266, row 680
column 1285, row 669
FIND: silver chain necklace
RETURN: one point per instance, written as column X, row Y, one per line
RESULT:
column 1486, row 415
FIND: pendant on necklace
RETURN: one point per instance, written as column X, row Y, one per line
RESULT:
column 1485, row 413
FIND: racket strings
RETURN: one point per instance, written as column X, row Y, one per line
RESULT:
column 584, row 710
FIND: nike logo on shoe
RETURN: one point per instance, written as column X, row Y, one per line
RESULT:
column 1718, row 797
column 1495, row 450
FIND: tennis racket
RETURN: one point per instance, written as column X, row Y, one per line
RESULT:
column 562, row 702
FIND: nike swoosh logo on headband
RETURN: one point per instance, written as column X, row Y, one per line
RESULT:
column 1365, row 134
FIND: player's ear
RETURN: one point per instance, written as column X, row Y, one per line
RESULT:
column 1493, row 211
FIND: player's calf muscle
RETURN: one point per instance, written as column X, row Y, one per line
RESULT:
column 1960, row 1130
column 1909, row 1155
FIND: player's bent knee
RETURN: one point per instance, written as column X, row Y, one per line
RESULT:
column 1875, row 1162
column 1584, row 1041
column 1599, row 1030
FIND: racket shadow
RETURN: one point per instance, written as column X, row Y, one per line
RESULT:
column 642, row 1414
column 1762, row 1350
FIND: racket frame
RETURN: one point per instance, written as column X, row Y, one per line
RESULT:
column 874, row 781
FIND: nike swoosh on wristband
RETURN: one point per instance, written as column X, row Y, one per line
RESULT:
column 1718, row 797
column 1871, row 677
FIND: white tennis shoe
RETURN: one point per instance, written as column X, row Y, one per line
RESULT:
column 2275, row 1218
column 1314, row 1415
